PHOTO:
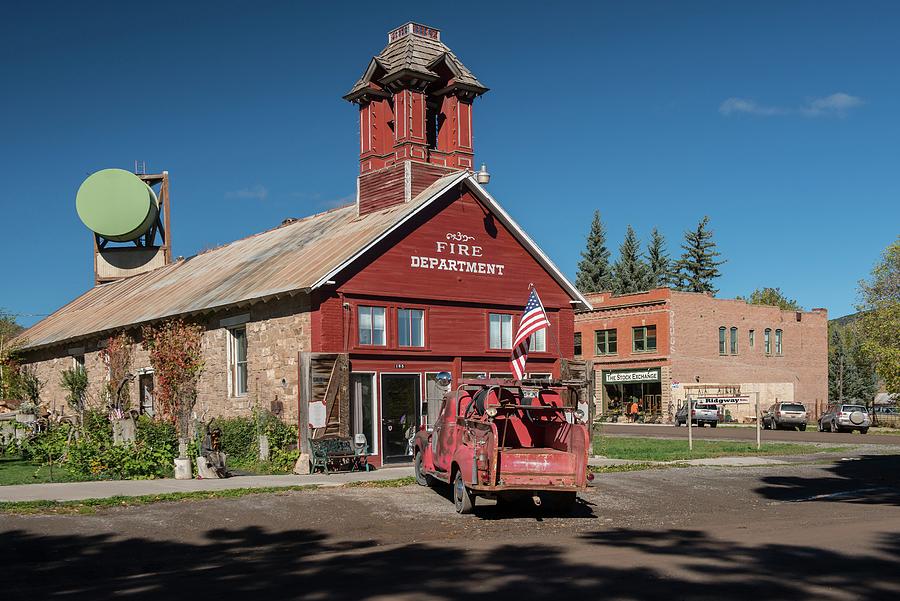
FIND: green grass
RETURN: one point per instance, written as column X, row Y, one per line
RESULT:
column 634, row 467
column 88, row 506
column 19, row 471
column 91, row 505
column 661, row 449
column 395, row 483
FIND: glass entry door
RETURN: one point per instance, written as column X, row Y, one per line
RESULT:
column 400, row 400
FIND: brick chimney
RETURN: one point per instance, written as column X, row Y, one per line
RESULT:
column 415, row 117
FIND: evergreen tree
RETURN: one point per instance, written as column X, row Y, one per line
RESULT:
column 593, row 269
column 658, row 261
column 698, row 267
column 630, row 273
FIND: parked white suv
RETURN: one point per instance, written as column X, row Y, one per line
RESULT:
column 845, row 418
column 785, row 415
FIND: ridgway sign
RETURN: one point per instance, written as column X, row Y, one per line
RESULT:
column 457, row 255
column 627, row 376
column 725, row 400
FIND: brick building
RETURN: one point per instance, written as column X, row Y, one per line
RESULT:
column 424, row 273
column 663, row 346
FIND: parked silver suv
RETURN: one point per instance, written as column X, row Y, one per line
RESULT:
column 844, row 417
column 702, row 413
column 785, row 415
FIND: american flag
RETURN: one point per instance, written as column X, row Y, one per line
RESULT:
column 533, row 319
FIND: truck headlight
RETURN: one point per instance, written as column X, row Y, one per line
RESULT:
column 579, row 414
column 491, row 411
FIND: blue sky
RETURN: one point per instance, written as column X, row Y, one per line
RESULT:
column 781, row 121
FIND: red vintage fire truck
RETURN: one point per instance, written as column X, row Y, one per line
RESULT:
column 507, row 440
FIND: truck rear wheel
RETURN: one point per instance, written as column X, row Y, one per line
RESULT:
column 462, row 498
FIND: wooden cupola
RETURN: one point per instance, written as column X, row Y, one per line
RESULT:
column 415, row 116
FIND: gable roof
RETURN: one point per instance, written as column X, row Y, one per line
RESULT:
column 297, row 257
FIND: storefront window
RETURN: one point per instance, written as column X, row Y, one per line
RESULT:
column 606, row 342
column 501, row 331
column 371, row 326
column 411, row 327
column 734, row 341
column 434, row 395
column 644, row 339
column 624, row 390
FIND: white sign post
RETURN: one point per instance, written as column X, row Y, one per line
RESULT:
column 758, row 440
column 688, row 418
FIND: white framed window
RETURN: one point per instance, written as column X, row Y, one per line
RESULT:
column 767, row 340
column 540, row 376
column 778, row 346
column 78, row 362
column 500, row 331
column 411, row 327
column 474, row 375
column 538, row 341
column 371, row 326
column 237, row 361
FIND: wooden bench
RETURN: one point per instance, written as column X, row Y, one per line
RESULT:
column 336, row 454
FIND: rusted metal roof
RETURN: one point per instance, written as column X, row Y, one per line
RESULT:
column 294, row 258
column 288, row 259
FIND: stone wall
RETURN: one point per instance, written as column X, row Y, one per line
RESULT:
column 276, row 332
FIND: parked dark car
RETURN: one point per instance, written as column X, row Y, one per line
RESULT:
column 785, row 415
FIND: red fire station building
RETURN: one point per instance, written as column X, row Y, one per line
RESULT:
column 424, row 273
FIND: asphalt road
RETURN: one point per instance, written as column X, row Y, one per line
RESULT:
column 741, row 433
column 798, row 532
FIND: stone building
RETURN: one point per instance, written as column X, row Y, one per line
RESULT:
column 663, row 346
column 424, row 273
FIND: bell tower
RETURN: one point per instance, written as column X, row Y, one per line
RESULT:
column 415, row 117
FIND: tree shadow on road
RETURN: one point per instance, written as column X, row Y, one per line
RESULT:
column 869, row 479
column 253, row 563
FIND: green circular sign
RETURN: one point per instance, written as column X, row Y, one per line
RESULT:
column 116, row 204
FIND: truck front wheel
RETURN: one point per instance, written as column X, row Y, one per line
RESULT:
column 422, row 479
column 462, row 498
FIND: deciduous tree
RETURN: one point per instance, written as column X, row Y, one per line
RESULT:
column 177, row 360
column 880, row 322
column 773, row 297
